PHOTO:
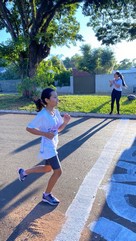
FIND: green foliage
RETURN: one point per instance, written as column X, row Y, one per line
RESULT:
column 112, row 21
column 28, row 87
column 50, row 71
column 67, row 63
column 72, row 62
column 11, row 49
column 12, row 72
column 57, row 63
column 63, row 78
column 3, row 62
column 64, row 28
column 45, row 74
column 75, row 60
column 125, row 64
column 98, row 61
column 107, row 60
column 15, row 53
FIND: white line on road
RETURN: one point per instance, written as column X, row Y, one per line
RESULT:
column 79, row 210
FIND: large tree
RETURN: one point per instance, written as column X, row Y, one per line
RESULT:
column 34, row 27
column 37, row 25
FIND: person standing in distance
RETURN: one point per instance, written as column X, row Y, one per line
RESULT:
column 47, row 123
column 117, row 84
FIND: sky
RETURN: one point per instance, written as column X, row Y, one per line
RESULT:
column 123, row 50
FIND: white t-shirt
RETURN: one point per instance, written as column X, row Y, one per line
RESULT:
column 45, row 122
column 118, row 82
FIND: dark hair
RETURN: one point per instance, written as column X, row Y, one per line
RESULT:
column 122, row 78
column 40, row 103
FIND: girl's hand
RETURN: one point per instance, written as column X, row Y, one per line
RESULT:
column 114, row 81
column 49, row 135
column 66, row 118
column 111, row 82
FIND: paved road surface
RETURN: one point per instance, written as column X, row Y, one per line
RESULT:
column 97, row 189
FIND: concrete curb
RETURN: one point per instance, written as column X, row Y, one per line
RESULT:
column 74, row 114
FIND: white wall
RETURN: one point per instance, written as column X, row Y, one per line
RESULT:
column 102, row 83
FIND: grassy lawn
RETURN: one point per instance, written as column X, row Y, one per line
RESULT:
column 70, row 103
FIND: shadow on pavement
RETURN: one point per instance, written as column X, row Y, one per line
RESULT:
column 73, row 145
column 37, row 140
column 40, row 210
column 9, row 192
column 27, row 145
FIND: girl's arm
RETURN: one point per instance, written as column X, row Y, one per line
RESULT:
column 66, row 120
column 37, row 132
column 111, row 82
column 116, row 85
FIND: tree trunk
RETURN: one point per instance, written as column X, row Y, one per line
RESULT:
column 23, row 60
column 37, row 52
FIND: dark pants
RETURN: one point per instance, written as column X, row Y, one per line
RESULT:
column 115, row 95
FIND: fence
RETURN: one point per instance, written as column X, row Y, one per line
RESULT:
column 9, row 86
column 102, row 83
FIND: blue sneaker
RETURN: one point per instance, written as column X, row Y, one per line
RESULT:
column 50, row 199
column 21, row 174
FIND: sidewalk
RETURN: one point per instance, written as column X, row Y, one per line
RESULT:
column 76, row 114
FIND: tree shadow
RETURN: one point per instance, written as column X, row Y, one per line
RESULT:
column 37, row 140
column 2, row 113
column 127, row 102
column 96, row 110
column 73, row 145
column 40, row 210
column 8, row 193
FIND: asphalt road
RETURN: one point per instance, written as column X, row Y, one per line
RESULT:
column 97, row 188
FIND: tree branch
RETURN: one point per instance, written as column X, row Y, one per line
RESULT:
column 33, row 7
column 21, row 9
column 7, row 15
column 47, row 11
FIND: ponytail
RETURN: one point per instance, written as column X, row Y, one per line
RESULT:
column 39, row 104
column 122, row 78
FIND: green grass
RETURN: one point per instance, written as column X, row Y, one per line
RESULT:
column 70, row 103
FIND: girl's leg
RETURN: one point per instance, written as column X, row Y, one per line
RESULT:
column 118, row 101
column 113, row 96
column 38, row 169
column 53, row 179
